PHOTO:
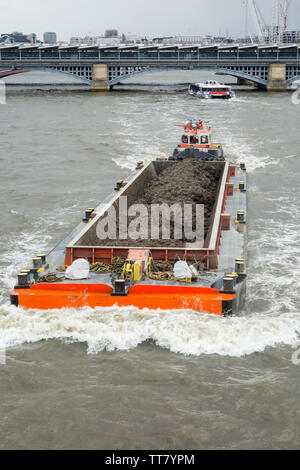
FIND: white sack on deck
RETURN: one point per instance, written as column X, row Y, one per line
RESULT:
column 79, row 270
column 182, row 270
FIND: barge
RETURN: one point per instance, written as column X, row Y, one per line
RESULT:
column 206, row 274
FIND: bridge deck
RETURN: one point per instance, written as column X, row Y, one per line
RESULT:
column 250, row 62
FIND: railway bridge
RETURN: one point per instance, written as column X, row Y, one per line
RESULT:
column 272, row 67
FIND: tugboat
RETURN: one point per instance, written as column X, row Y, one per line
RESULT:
column 196, row 142
column 211, row 89
column 208, row 275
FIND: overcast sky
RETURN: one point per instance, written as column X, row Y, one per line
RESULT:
column 149, row 18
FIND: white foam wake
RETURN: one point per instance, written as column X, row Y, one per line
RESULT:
column 185, row 331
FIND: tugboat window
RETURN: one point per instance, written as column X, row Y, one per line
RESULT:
column 194, row 140
column 204, row 139
column 184, row 139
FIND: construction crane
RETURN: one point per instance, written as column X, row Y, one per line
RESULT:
column 276, row 26
column 284, row 6
column 259, row 20
column 279, row 21
column 274, row 32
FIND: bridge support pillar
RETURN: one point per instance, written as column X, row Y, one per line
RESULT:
column 277, row 77
column 100, row 77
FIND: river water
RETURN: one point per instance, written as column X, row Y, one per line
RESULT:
column 130, row 379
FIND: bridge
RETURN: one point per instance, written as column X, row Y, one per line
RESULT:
column 272, row 67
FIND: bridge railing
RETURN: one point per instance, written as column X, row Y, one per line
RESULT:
column 141, row 56
column 155, row 53
column 10, row 59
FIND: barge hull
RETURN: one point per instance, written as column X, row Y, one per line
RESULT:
column 225, row 243
column 56, row 296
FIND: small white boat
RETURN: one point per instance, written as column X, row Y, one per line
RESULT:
column 211, row 89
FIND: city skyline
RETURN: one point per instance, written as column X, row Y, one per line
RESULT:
column 68, row 18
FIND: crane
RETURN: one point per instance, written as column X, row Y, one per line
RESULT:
column 279, row 22
column 274, row 32
column 258, row 17
column 275, row 28
column 284, row 6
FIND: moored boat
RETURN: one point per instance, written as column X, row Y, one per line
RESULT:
column 206, row 273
